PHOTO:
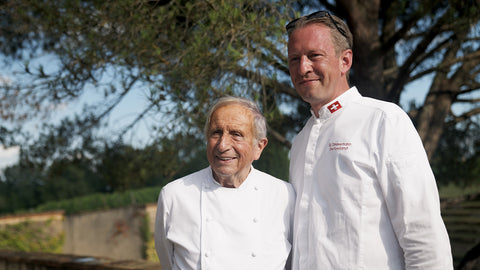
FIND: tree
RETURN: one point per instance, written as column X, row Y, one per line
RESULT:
column 458, row 158
column 113, row 167
column 122, row 167
column 20, row 190
column 188, row 53
column 274, row 160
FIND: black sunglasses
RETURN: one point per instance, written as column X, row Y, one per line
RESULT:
column 315, row 15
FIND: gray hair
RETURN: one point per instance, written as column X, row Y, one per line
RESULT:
column 259, row 124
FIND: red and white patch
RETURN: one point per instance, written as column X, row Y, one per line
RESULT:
column 334, row 107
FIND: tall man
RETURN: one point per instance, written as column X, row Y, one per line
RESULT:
column 366, row 195
column 228, row 215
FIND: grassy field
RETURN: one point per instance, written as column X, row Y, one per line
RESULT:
column 461, row 214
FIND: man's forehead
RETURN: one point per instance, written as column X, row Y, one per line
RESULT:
column 310, row 37
column 232, row 116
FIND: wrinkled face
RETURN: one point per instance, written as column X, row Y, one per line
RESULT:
column 231, row 145
column 315, row 69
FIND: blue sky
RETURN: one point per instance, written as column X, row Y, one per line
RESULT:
column 122, row 115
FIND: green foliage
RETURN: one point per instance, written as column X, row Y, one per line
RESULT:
column 151, row 252
column 109, row 168
column 274, row 160
column 189, row 52
column 147, row 238
column 453, row 190
column 31, row 236
column 100, row 201
column 20, row 190
column 458, row 156
column 463, row 224
column 122, row 167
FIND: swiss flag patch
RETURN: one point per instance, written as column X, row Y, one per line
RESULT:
column 334, row 107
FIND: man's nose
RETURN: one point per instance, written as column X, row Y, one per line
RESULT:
column 224, row 143
column 305, row 65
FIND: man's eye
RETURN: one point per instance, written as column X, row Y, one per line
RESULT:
column 216, row 133
column 293, row 59
column 315, row 55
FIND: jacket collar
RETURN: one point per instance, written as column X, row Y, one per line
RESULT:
column 337, row 105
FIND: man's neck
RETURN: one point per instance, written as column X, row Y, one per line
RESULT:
column 231, row 181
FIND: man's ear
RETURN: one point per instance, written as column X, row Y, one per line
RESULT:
column 259, row 146
column 346, row 61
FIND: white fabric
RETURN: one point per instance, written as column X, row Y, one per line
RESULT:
column 366, row 195
column 201, row 225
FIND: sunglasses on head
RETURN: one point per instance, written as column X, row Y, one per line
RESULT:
column 315, row 15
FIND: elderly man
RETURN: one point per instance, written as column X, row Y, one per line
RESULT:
column 366, row 195
column 228, row 215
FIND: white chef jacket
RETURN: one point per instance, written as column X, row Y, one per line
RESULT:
column 366, row 195
column 202, row 225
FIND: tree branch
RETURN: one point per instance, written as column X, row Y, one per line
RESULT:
column 116, row 102
column 464, row 100
column 405, row 70
column 258, row 78
column 279, row 137
column 403, row 31
column 446, row 65
column 465, row 116
column 138, row 118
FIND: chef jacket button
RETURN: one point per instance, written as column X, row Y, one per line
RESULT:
column 207, row 254
column 255, row 188
column 255, row 220
column 254, row 254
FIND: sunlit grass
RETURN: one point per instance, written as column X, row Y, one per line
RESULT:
column 454, row 191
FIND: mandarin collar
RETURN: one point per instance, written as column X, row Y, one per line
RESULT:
column 335, row 106
column 212, row 183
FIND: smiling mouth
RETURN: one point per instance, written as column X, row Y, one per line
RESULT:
column 225, row 158
column 307, row 81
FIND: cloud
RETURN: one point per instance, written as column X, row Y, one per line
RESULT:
column 8, row 156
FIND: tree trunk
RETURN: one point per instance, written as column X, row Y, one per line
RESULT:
column 443, row 92
column 431, row 118
column 367, row 70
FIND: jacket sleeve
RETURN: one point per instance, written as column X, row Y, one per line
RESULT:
column 291, row 208
column 411, row 196
column 163, row 246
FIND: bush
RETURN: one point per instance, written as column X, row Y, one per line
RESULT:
column 99, row 201
column 31, row 236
